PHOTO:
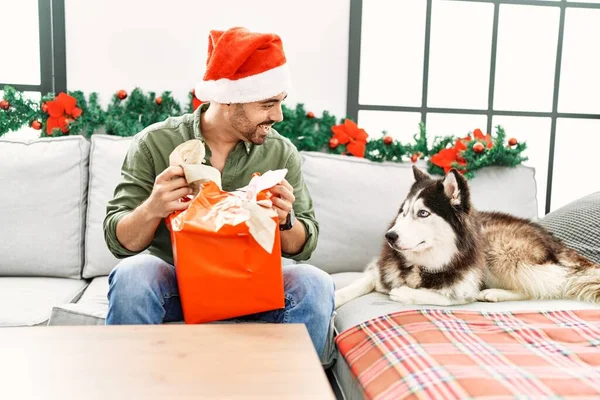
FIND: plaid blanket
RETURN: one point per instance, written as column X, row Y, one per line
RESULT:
column 446, row 354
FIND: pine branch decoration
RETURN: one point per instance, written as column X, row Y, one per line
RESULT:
column 16, row 110
column 128, row 114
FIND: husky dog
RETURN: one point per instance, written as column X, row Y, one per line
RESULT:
column 441, row 251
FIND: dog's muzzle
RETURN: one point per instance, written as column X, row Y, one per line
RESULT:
column 391, row 237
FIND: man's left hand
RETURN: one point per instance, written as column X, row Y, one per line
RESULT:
column 283, row 199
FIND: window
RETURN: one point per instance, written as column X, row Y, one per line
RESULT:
column 462, row 64
column 35, row 59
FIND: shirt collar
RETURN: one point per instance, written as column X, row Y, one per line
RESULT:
column 197, row 113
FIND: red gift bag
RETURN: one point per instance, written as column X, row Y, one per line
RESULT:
column 222, row 271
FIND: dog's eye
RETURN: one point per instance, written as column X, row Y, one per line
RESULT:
column 423, row 214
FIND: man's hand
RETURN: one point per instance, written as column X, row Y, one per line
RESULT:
column 136, row 230
column 283, row 199
column 168, row 188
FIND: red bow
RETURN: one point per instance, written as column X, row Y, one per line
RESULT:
column 62, row 111
column 352, row 136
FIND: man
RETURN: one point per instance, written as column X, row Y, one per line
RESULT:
column 245, row 82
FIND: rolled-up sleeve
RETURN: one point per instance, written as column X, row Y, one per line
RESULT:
column 137, row 180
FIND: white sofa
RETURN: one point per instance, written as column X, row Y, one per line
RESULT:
column 54, row 262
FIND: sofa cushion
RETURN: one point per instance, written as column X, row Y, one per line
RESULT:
column 376, row 304
column 91, row 309
column 577, row 224
column 28, row 301
column 43, row 196
column 106, row 158
column 356, row 199
column 346, row 381
column 78, row 314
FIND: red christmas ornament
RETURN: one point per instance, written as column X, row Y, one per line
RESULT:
column 414, row 158
column 121, row 94
column 158, row 101
column 512, row 141
column 66, row 125
column 478, row 147
column 45, row 107
column 69, row 121
column 310, row 114
column 4, row 104
column 388, row 140
column 487, row 139
column 36, row 125
column 333, row 143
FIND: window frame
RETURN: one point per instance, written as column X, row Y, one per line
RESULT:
column 354, row 52
column 53, row 59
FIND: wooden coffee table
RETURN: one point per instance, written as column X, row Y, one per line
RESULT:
column 216, row 361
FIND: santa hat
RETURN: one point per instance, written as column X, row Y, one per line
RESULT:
column 243, row 67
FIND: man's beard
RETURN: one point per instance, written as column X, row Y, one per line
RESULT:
column 252, row 133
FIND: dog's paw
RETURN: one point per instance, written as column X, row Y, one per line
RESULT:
column 497, row 295
column 490, row 295
column 405, row 295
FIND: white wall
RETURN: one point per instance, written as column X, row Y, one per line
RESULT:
column 158, row 45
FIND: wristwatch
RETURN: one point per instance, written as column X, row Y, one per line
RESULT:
column 289, row 222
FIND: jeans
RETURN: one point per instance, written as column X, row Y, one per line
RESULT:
column 143, row 290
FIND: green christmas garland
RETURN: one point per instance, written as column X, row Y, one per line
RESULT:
column 129, row 113
column 310, row 133
column 16, row 110
column 126, row 118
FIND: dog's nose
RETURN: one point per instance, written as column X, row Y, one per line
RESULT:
column 391, row 236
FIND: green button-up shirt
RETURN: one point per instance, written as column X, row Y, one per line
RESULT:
column 148, row 156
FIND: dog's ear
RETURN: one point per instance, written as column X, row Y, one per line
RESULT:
column 456, row 189
column 419, row 175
